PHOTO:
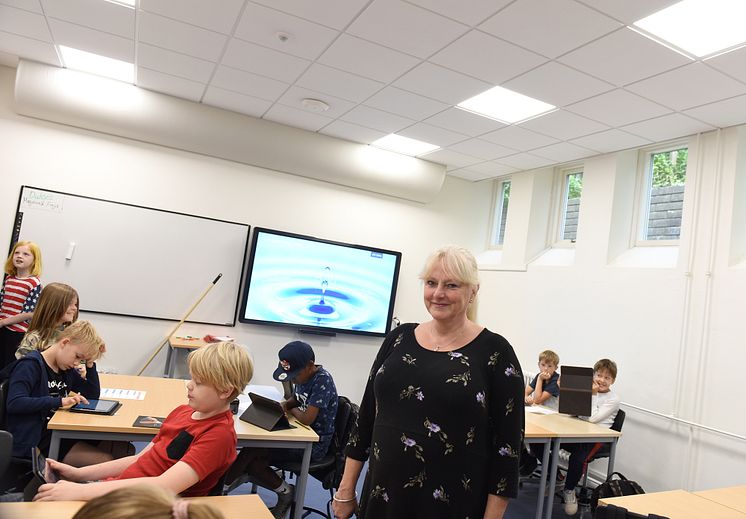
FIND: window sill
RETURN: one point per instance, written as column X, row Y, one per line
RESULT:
column 648, row 257
column 556, row 257
column 491, row 259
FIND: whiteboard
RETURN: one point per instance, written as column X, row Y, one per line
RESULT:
column 135, row 261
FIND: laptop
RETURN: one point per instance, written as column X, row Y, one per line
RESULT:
column 576, row 385
column 266, row 413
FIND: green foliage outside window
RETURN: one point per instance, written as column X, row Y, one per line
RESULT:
column 669, row 168
column 575, row 185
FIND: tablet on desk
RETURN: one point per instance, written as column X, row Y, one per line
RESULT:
column 266, row 413
column 106, row 407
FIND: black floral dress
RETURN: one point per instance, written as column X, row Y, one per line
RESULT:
column 442, row 429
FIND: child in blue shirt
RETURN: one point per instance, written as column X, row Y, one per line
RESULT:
column 544, row 388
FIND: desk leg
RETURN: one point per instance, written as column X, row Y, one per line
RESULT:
column 54, row 446
column 168, row 370
column 552, row 475
column 543, row 479
column 612, row 456
column 300, row 487
column 172, row 361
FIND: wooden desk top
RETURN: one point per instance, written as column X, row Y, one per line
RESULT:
column 163, row 395
column 564, row 426
column 189, row 344
column 676, row 504
column 245, row 506
column 732, row 497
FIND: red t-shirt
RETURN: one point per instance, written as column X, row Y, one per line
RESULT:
column 208, row 446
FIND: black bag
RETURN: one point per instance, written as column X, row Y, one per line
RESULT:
column 614, row 488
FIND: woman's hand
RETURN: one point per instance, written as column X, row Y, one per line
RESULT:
column 60, row 491
column 65, row 471
column 344, row 510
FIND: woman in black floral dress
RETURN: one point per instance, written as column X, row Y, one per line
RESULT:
column 441, row 419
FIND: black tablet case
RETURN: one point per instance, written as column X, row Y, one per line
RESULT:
column 91, row 411
column 265, row 413
column 576, row 384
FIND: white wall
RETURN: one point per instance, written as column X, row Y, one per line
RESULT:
column 676, row 332
column 68, row 159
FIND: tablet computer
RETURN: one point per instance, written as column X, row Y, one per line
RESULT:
column 41, row 474
column 97, row 407
column 266, row 413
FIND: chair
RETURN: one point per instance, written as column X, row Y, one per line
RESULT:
column 329, row 469
column 12, row 469
column 3, row 398
column 600, row 450
column 618, row 512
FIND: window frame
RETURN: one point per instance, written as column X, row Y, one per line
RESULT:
column 497, row 208
column 643, row 191
column 562, row 187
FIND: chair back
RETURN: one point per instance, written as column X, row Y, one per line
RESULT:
column 3, row 401
column 603, row 450
column 6, row 449
column 343, row 423
column 618, row 420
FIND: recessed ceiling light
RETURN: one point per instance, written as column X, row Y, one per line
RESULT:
column 126, row 3
column 699, row 27
column 404, row 145
column 314, row 105
column 95, row 64
column 505, row 105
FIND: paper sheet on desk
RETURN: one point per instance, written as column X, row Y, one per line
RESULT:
column 537, row 409
column 266, row 391
column 122, row 394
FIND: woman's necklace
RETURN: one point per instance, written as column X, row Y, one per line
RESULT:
column 437, row 345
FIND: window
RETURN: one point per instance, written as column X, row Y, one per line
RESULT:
column 501, row 212
column 663, row 195
column 573, row 189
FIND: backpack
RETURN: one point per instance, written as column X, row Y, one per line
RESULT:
column 614, row 488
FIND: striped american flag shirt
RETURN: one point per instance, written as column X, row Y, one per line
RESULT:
column 19, row 295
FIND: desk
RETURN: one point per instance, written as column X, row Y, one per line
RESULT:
column 163, row 395
column 732, row 497
column 246, row 506
column 535, row 433
column 179, row 346
column 567, row 429
column 676, row 504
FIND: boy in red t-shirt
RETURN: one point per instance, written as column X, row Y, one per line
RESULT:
column 194, row 447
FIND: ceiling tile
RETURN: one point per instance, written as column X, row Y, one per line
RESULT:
column 464, row 122
column 405, row 27
column 173, row 63
column 90, row 40
column 295, row 95
column 367, row 59
column 432, row 134
column 263, row 61
column 624, row 57
column 215, row 16
column 722, row 113
column 296, row 118
column 518, row 138
column 482, row 149
column 452, row 159
column 563, row 125
column 24, row 23
column 534, row 24
column 338, row 83
column 557, row 84
column 395, row 100
column 95, row 14
column 470, row 12
column 669, row 126
column 333, row 13
column 628, row 11
column 525, row 161
column 28, row 5
column 171, row 85
column 732, row 63
column 248, row 83
column 261, row 25
column 466, row 174
column 563, row 152
column 610, row 140
column 235, row 102
column 485, row 57
column 440, row 83
column 180, row 37
column 617, row 108
column 688, row 86
column 352, row 132
column 377, row 119
column 489, row 169
column 29, row 48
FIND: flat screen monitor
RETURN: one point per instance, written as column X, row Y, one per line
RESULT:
column 318, row 285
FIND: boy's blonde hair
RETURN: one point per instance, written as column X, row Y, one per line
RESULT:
column 549, row 356
column 143, row 502
column 608, row 365
column 223, row 365
column 10, row 269
column 82, row 333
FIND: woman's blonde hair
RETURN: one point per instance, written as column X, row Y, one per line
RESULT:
column 10, row 269
column 53, row 302
column 461, row 265
column 223, row 365
column 142, row 502
column 84, row 334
